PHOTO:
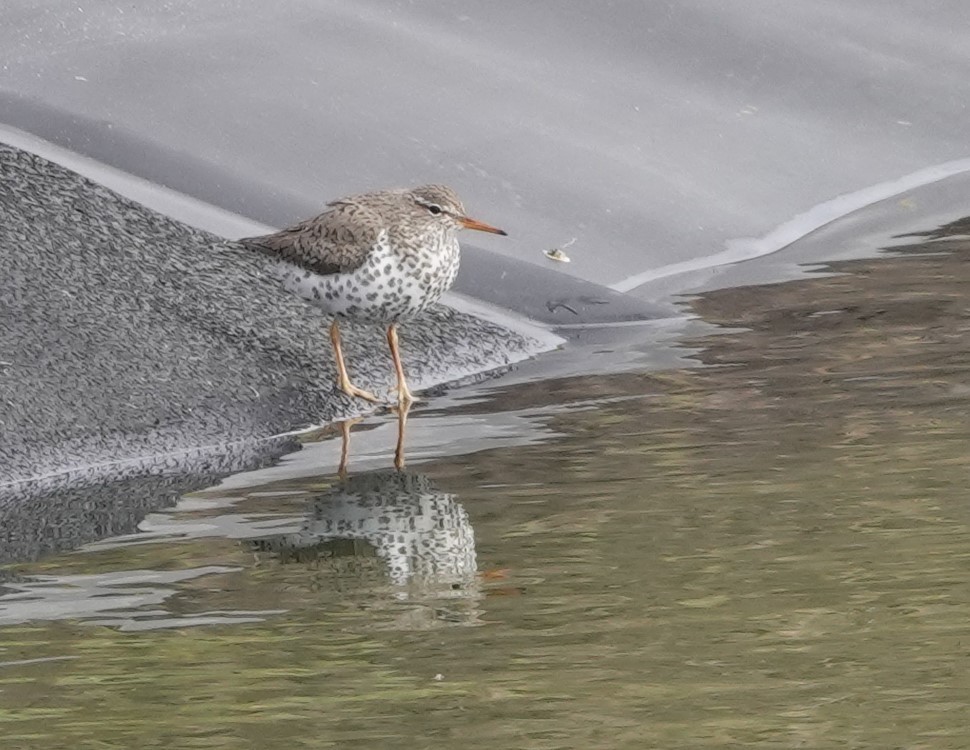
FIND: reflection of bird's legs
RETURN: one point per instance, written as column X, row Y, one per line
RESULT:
column 404, row 396
column 345, row 445
column 402, row 423
column 343, row 379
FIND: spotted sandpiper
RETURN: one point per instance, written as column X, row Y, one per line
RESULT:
column 376, row 257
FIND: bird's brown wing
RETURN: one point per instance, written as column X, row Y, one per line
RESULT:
column 336, row 241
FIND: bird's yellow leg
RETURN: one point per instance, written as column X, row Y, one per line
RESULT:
column 404, row 396
column 344, row 381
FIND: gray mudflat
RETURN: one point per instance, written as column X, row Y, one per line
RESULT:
column 127, row 335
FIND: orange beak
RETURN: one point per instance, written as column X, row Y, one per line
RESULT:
column 481, row 226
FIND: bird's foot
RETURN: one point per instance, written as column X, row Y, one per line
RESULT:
column 405, row 398
column 354, row 391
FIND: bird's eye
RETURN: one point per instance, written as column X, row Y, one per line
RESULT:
column 434, row 209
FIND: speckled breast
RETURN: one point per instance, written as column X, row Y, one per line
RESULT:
column 388, row 286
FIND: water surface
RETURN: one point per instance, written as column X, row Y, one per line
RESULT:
column 769, row 549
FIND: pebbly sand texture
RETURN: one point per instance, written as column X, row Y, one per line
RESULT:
column 127, row 335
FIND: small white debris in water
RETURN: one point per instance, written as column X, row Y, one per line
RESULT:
column 439, row 677
column 557, row 252
column 80, row 78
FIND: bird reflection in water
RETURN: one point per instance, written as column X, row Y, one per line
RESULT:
column 399, row 457
column 390, row 527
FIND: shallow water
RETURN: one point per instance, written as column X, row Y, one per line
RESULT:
column 770, row 549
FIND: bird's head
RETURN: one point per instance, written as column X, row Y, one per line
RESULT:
column 442, row 204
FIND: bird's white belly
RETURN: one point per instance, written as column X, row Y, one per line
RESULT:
column 382, row 289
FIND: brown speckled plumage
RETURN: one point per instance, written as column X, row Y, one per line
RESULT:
column 377, row 256
column 338, row 240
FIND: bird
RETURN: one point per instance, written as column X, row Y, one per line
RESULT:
column 376, row 257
